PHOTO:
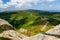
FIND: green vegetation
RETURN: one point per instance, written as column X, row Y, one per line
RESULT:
column 2, row 38
column 32, row 20
column 1, row 30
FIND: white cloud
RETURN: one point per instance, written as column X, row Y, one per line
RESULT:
column 3, row 5
column 1, row 1
column 50, row 0
column 20, row 3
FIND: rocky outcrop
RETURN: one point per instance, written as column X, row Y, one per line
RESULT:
column 11, row 34
column 53, row 34
column 5, row 25
column 9, row 31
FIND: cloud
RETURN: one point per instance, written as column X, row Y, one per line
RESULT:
column 1, row 1
column 21, row 3
column 18, row 3
column 50, row 0
column 3, row 5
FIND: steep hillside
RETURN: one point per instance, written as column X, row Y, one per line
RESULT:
column 34, row 21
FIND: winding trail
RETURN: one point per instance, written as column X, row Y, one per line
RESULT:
column 44, row 27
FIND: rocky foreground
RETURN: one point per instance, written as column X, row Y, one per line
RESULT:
column 53, row 34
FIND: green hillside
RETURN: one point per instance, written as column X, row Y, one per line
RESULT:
column 32, row 20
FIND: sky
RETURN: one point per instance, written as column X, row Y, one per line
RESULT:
column 47, row 5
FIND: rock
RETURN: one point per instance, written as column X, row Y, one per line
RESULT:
column 5, row 25
column 13, row 35
column 53, row 34
column 9, row 31
column 55, row 30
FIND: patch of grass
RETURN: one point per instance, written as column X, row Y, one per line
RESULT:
column 35, row 30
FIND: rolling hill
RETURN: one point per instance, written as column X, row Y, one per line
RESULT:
column 32, row 20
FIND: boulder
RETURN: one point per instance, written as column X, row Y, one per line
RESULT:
column 6, row 25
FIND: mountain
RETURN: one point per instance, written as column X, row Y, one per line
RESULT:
column 31, row 20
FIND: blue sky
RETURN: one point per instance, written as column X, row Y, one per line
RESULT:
column 47, row 5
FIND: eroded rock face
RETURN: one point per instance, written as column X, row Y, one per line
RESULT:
column 53, row 34
column 13, row 35
column 5, row 25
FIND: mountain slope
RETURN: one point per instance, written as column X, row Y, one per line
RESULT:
column 32, row 20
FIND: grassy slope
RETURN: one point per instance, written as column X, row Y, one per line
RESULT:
column 32, row 20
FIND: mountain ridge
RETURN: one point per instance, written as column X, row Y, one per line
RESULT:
column 30, row 10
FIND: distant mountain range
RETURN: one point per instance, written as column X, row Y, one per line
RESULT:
column 32, row 9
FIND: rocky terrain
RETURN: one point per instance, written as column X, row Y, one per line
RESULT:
column 53, row 34
column 9, row 32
